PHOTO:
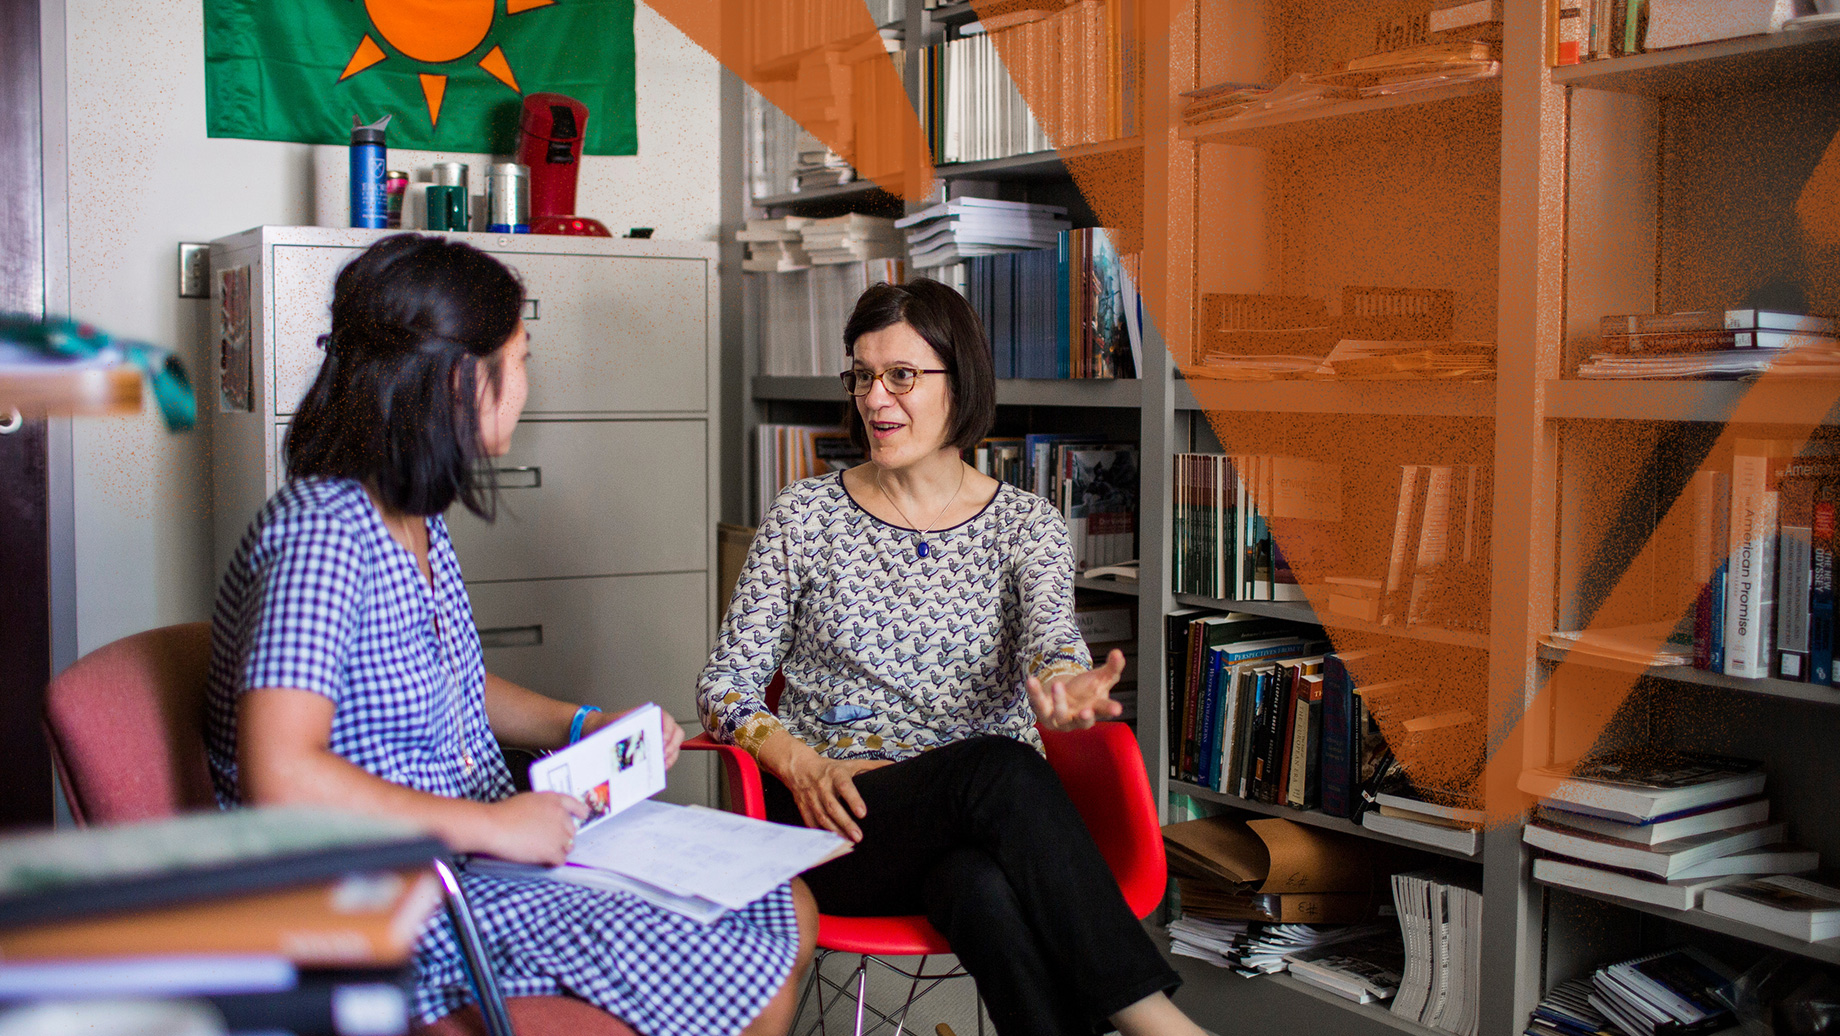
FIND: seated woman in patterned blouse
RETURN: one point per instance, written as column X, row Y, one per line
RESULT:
column 345, row 668
column 922, row 616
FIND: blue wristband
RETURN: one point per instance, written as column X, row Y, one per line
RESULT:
column 581, row 716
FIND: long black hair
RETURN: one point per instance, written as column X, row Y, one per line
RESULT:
column 395, row 402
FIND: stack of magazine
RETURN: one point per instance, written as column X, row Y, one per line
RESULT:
column 1659, row 829
column 1663, row 994
column 701, row 863
column 1440, row 918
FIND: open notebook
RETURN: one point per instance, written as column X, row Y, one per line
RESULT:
column 698, row 862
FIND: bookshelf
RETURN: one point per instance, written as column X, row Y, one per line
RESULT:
column 1304, row 816
column 1543, row 199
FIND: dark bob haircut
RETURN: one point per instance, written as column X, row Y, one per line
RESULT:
column 395, row 402
column 947, row 322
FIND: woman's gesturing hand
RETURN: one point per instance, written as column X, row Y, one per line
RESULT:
column 825, row 789
column 1078, row 701
column 535, row 827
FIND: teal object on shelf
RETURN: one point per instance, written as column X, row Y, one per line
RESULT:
column 70, row 339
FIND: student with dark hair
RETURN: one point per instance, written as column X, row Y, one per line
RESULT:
column 346, row 670
column 922, row 616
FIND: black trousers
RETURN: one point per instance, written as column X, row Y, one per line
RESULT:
column 981, row 838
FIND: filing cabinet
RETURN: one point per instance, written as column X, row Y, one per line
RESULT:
column 596, row 582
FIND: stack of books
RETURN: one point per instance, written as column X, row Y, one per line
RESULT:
column 1664, row 993
column 799, row 315
column 851, row 238
column 1567, row 1011
column 774, row 245
column 963, row 227
column 1440, row 919
column 1714, row 344
column 1450, row 821
column 1796, row 907
column 280, row 919
column 1225, row 508
column 1660, row 829
column 1072, row 311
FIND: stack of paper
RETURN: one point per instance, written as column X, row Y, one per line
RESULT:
column 774, row 245
column 853, row 238
column 1251, row 948
column 964, row 227
column 1440, row 918
column 1443, row 359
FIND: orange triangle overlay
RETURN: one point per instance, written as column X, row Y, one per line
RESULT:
column 434, row 88
column 520, row 6
column 367, row 54
column 500, row 69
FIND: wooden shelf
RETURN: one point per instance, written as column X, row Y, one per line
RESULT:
column 854, row 191
column 1301, row 611
column 1307, row 816
column 1312, row 124
column 1787, row 689
column 1039, row 165
column 1777, row 61
column 1403, row 398
column 1072, row 392
column 1110, row 586
column 1803, row 401
column 1828, row 950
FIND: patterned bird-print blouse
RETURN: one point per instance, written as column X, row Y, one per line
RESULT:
column 887, row 653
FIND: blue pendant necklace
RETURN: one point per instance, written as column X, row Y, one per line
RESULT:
column 920, row 547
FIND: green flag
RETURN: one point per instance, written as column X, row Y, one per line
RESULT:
column 452, row 72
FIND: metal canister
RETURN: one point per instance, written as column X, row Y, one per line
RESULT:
column 454, row 174
column 508, row 199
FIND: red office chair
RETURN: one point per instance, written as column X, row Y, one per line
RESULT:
column 1102, row 769
column 126, row 727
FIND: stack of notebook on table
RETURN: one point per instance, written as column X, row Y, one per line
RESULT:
column 279, row 919
column 1664, row 994
column 1659, row 829
column 1440, row 919
column 1714, row 344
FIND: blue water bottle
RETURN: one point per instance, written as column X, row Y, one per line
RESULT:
column 370, row 203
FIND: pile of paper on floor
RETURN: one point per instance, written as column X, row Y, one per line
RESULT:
column 1440, row 919
column 963, row 227
column 1659, row 828
column 1663, row 993
column 853, row 238
column 1253, row 948
column 774, row 245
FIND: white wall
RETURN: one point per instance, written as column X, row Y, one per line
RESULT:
column 143, row 177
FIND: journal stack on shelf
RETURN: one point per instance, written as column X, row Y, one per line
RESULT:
column 1381, row 333
column 1714, row 344
column 805, row 278
column 1660, row 830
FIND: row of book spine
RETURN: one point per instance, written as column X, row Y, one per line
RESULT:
column 799, row 315
column 1224, row 505
column 1762, row 554
column 1092, row 482
column 1072, row 311
column 786, row 453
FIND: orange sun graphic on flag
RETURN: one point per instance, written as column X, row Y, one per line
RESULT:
column 436, row 32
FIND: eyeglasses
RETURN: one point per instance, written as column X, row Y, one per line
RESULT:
column 898, row 380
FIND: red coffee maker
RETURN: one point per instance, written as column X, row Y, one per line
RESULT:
column 549, row 145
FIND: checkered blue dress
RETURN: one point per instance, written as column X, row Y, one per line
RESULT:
column 320, row 598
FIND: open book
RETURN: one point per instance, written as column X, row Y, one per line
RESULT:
column 698, row 862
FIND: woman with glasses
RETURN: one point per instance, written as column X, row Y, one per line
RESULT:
column 922, row 616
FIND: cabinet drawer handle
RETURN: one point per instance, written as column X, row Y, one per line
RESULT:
column 533, row 310
column 511, row 636
column 520, row 478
